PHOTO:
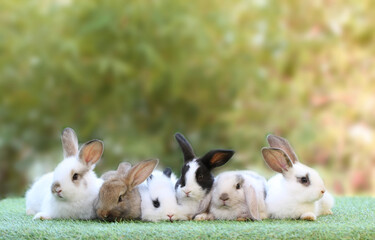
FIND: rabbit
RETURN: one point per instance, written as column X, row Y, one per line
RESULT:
column 70, row 190
column 120, row 195
column 297, row 191
column 236, row 195
column 159, row 202
column 196, row 178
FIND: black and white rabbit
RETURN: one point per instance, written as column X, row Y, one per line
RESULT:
column 196, row 178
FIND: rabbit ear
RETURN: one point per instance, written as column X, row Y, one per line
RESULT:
column 277, row 159
column 167, row 172
column 123, row 167
column 91, row 152
column 205, row 203
column 185, row 146
column 216, row 158
column 69, row 142
column 137, row 174
column 252, row 202
column 282, row 143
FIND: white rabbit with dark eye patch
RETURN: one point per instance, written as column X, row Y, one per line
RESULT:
column 196, row 178
column 297, row 191
column 159, row 199
column 69, row 191
column 236, row 195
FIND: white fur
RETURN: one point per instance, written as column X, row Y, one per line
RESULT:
column 161, row 187
column 287, row 198
column 76, row 202
column 236, row 207
column 190, row 204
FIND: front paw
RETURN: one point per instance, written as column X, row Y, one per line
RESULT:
column 204, row 216
column 42, row 216
column 328, row 212
column 309, row 216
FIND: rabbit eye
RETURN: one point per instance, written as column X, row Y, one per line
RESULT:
column 75, row 177
column 238, row 186
column 156, row 203
column 200, row 177
column 120, row 198
column 305, row 180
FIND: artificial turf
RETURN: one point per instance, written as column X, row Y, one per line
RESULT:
column 354, row 218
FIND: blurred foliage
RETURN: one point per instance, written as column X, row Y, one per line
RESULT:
column 224, row 73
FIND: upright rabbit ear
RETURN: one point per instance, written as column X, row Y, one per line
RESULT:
column 185, row 146
column 137, row 174
column 216, row 158
column 252, row 202
column 282, row 143
column 69, row 142
column 91, row 152
column 167, row 172
column 123, row 167
column 277, row 159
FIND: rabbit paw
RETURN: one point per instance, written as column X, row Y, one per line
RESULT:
column 42, row 216
column 204, row 216
column 309, row 216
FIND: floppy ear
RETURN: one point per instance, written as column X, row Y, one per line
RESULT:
column 137, row 174
column 91, row 152
column 204, row 204
column 282, row 143
column 69, row 142
column 252, row 202
column 277, row 159
column 185, row 146
column 216, row 158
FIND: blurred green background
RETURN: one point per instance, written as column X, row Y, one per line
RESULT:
column 224, row 73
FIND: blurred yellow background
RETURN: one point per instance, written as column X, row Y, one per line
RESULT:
column 223, row 73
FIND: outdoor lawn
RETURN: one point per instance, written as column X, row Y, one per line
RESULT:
column 354, row 218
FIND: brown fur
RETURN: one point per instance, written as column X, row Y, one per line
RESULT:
column 124, row 185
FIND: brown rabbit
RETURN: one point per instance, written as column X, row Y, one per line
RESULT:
column 119, row 196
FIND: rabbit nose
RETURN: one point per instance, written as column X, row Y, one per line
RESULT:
column 104, row 214
column 323, row 191
column 187, row 192
column 170, row 216
column 224, row 196
column 56, row 188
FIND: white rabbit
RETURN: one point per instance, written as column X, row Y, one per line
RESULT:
column 69, row 191
column 196, row 178
column 297, row 192
column 236, row 195
column 159, row 199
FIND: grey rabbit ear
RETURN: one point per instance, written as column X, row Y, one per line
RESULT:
column 252, row 202
column 282, row 143
column 123, row 167
column 69, row 142
column 140, row 172
column 204, row 204
column 277, row 159
column 167, row 172
column 185, row 146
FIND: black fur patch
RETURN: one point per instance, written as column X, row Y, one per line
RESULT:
column 182, row 180
column 167, row 172
column 204, row 177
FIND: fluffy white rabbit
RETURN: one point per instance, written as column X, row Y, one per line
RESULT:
column 297, row 191
column 69, row 191
column 159, row 198
column 236, row 195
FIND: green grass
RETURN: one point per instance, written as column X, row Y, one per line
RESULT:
column 354, row 218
